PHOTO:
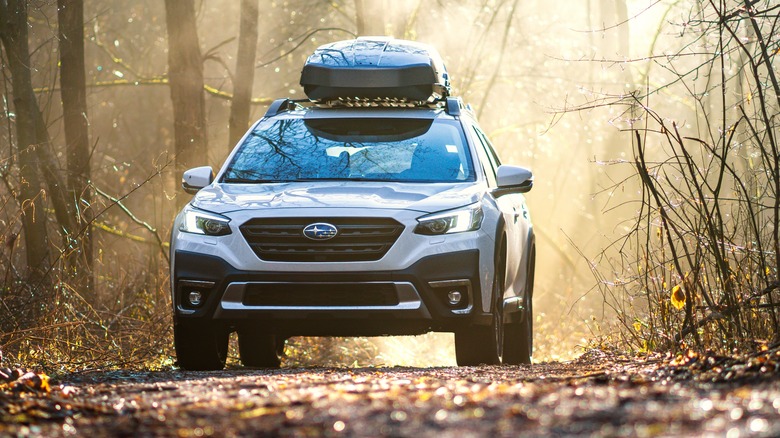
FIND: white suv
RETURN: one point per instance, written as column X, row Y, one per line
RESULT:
column 330, row 220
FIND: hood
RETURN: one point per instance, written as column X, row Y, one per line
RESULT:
column 426, row 198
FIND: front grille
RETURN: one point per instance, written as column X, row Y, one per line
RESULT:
column 320, row 295
column 358, row 239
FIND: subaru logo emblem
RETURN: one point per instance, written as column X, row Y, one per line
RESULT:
column 320, row 231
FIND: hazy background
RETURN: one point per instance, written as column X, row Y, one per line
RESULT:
column 519, row 63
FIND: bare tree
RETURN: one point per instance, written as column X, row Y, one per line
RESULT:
column 624, row 41
column 13, row 31
column 245, row 71
column 369, row 20
column 70, row 16
column 185, row 65
column 497, row 68
column 704, row 254
column 387, row 17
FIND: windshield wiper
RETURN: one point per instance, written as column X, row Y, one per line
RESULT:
column 279, row 181
column 337, row 179
column 242, row 181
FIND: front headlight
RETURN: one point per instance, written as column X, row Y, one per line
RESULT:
column 454, row 221
column 201, row 222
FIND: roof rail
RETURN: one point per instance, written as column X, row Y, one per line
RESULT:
column 454, row 105
column 279, row 106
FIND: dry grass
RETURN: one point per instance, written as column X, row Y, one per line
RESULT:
column 127, row 327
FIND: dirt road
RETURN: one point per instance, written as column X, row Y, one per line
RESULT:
column 594, row 395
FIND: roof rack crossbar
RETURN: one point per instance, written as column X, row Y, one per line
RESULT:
column 279, row 106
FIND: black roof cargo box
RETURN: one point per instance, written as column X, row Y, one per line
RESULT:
column 375, row 68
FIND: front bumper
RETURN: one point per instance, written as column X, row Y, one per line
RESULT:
column 365, row 303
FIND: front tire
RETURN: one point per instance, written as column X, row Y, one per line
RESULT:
column 200, row 347
column 519, row 339
column 476, row 347
column 480, row 344
column 258, row 350
column 518, row 346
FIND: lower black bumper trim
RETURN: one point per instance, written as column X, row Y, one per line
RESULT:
column 432, row 314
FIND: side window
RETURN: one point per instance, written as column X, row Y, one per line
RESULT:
column 491, row 152
column 484, row 159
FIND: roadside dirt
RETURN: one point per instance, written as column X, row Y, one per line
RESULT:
column 597, row 394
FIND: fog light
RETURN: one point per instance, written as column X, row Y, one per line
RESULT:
column 454, row 297
column 196, row 298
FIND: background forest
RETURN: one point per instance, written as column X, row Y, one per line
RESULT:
column 651, row 127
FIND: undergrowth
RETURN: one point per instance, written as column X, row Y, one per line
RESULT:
column 699, row 265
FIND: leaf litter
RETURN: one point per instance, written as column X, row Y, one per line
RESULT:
column 600, row 393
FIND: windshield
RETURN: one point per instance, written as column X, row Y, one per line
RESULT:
column 370, row 149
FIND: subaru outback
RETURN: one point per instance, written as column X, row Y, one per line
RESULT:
column 377, row 207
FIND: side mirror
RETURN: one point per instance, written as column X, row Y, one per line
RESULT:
column 197, row 178
column 513, row 179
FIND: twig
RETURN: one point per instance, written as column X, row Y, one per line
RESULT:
column 134, row 218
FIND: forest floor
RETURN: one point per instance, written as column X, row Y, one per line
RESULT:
column 597, row 394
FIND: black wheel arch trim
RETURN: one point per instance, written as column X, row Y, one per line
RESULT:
column 499, row 240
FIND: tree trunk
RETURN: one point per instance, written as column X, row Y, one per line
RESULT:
column 185, row 73
column 369, row 17
column 70, row 16
column 13, row 32
column 498, row 66
column 624, row 28
column 245, row 72
column 614, row 17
